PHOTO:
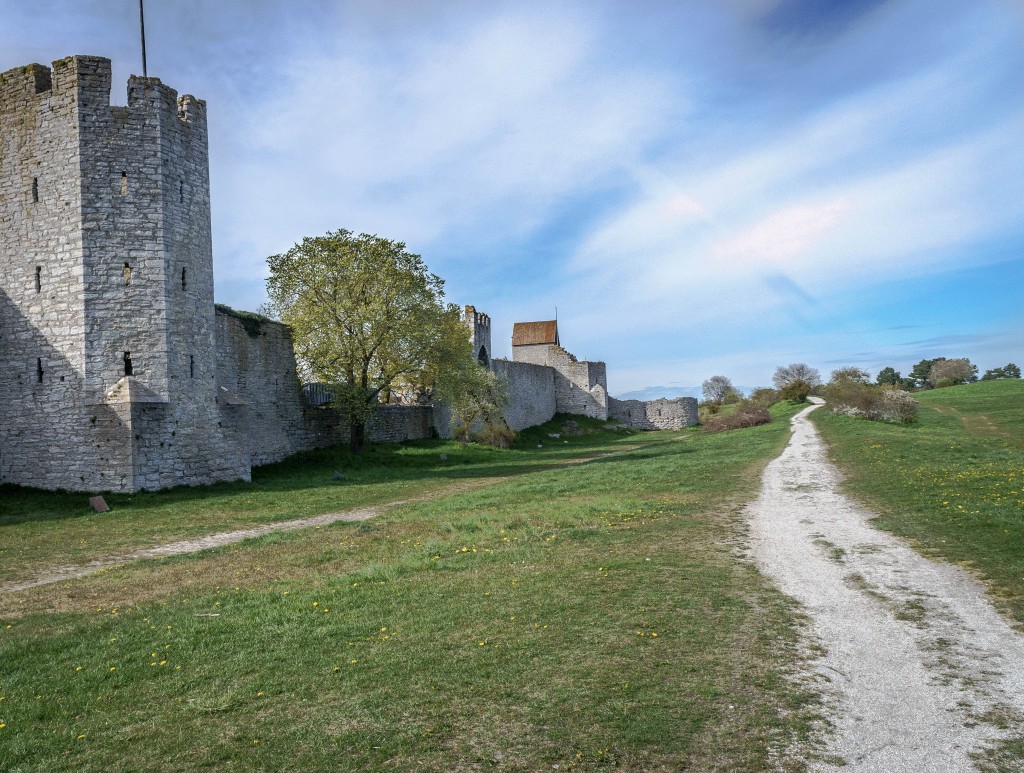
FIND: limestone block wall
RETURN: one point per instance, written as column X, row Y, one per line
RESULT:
column 581, row 387
column 654, row 414
column 537, row 354
column 106, row 280
column 479, row 325
column 532, row 394
column 398, row 423
column 255, row 364
column 44, row 422
column 257, row 378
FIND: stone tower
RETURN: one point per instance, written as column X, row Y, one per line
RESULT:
column 479, row 325
column 107, row 372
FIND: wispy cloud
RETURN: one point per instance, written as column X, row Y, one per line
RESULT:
column 698, row 187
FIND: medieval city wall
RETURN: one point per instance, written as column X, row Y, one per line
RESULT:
column 256, row 377
column 255, row 365
column 531, row 391
column 116, row 372
column 581, row 387
column 678, row 413
column 106, row 279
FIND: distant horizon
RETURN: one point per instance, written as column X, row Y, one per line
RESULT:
column 699, row 188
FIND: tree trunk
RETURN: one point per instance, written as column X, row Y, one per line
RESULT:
column 357, row 437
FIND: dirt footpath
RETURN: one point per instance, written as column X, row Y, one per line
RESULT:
column 919, row 671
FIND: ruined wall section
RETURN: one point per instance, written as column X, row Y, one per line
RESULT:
column 678, row 413
column 259, row 386
column 531, row 389
column 256, row 375
column 479, row 325
column 581, row 387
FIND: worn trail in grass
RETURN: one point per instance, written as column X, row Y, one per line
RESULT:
column 583, row 616
column 40, row 531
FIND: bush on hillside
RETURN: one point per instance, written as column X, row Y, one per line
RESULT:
column 854, row 398
column 796, row 391
column 871, row 402
column 706, row 410
column 899, row 406
column 746, row 415
column 765, row 397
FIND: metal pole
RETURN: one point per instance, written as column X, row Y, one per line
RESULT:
column 142, row 30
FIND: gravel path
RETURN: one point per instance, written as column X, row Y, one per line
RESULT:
column 918, row 669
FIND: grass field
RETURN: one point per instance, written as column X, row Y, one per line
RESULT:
column 52, row 529
column 583, row 615
column 953, row 482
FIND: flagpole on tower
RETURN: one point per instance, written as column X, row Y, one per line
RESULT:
column 142, row 31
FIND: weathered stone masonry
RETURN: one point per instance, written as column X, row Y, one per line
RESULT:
column 116, row 370
column 106, row 286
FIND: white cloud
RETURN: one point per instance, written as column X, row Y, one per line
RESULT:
column 790, row 233
column 455, row 138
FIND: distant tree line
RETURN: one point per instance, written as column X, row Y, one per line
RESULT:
column 849, row 390
column 941, row 372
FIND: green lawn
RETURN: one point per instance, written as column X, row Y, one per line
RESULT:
column 41, row 529
column 953, row 482
column 585, row 616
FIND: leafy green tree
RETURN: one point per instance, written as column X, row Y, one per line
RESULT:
column 796, row 391
column 1007, row 371
column 477, row 399
column 888, row 377
column 952, row 372
column 919, row 373
column 369, row 319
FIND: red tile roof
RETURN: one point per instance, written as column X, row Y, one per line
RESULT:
column 533, row 333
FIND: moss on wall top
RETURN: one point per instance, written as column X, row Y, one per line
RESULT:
column 251, row 321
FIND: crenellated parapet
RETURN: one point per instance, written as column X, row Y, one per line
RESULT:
column 106, row 275
column 479, row 325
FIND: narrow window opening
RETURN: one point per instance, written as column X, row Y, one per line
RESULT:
column 126, row 274
column 39, row 279
column 124, row 183
column 39, row 369
column 191, row 366
column 128, row 370
column 181, row 192
column 35, row 189
column 184, row 282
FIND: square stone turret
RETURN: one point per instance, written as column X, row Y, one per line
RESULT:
column 107, row 372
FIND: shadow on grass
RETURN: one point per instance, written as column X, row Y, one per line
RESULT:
column 408, row 462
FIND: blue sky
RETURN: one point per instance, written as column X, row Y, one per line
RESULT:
column 700, row 188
